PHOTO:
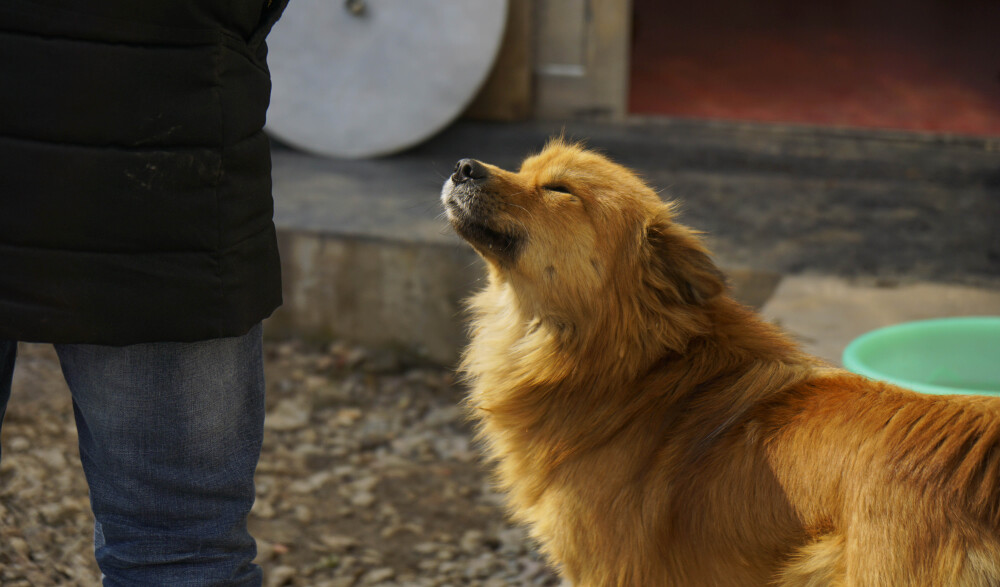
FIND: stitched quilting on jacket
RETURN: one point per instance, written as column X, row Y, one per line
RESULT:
column 135, row 187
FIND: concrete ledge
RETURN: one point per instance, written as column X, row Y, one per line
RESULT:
column 402, row 295
column 827, row 313
column 369, row 259
column 407, row 296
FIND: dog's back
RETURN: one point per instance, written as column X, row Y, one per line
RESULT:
column 894, row 487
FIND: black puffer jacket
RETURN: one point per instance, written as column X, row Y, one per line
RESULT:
column 135, row 178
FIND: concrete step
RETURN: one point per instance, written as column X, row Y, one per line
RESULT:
column 367, row 256
column 826, row 313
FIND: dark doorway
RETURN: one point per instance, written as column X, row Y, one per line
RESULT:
column 923, row 65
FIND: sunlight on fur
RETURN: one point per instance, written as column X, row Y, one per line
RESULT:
column 651, row 431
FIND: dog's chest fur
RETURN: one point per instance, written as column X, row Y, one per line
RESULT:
column 580, row 467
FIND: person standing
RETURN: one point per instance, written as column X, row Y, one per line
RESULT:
column 136, row 234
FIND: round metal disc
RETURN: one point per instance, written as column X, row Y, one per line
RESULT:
column 361, row 78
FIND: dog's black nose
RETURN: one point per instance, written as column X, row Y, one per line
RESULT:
column 469, row 170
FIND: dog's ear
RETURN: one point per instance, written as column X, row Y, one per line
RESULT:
column 678, row 265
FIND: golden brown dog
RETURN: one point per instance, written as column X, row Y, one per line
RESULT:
column 651, row 431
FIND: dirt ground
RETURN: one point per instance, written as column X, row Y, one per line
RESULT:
column 369, row 476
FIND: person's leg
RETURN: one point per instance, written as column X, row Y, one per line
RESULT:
column 170, row 435
column 8, row 352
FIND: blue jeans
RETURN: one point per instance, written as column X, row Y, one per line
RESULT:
column 170, row 435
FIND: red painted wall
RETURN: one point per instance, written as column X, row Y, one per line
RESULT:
column 925, row 65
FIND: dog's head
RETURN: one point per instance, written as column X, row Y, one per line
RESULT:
column 571, row 229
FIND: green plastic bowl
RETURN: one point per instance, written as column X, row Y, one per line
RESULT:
column 945, row 356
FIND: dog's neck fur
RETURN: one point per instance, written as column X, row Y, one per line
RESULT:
column 520, row 367
column 619, row 340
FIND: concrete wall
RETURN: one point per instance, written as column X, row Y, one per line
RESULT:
column 377, row 293
column 407, row 296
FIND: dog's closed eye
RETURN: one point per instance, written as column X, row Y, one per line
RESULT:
column 558, row 188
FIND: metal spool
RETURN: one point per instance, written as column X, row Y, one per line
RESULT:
column 362, row 78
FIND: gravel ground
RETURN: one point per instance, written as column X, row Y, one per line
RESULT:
column 369, row 477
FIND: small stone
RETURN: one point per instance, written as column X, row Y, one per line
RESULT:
column 286, row 348
column 288, row 415
column 397, row 529
column 366, row 483
column 51, row 457
column 472, row 541
column 55, row 513
column 281, row 575
column 324, row 363
column 481, row 567
column 347, row 417
column 330, row 561
column 302, row 514
column 513, row 541
column 426, row 548
column 17, row 444
column 314, row 382
column 446, row 553
column 354, row 357
column 19, row 545
column 263, row 509
column 443, row 416
column 310, row 484
column 376, row 576
column 329, row 396
column 371, row 557
column 339, row 543
column 363, row 499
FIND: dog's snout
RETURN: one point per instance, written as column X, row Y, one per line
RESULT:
column 469, row 170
